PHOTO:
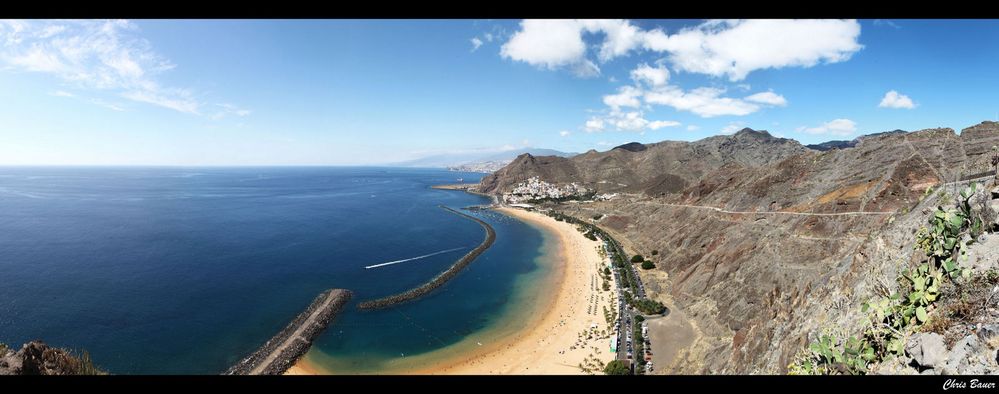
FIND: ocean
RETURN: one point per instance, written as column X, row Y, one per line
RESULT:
column 168, row 270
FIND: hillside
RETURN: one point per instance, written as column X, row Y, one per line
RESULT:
column 763, row 242
column 37, row 358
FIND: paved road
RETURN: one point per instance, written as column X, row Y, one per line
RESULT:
column 716, row 209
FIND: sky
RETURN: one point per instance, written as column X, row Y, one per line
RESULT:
column 368, row 92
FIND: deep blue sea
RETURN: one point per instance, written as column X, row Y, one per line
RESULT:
column 167, row 270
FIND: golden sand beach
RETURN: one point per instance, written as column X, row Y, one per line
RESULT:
column 564, row 331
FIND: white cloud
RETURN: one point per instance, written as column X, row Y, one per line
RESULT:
column 732, row 48
column 735, row 48
column 98, row 55
column 546, row 43
column 620, row 36
column 658, row 124
column 476, row 43
column 594, row 124
column 693, row 127
column 62, row 93
column 837, row 127
column 564, row 133
column 886, row 22
column 626, row 96
column 705, row 102
column 732, row 128
column 895, row 99
column 229, row 109
column 626, row 121
column 177, row 102
column 653, row 76
column 554, row 44
column 769, row 98
column 586, row 69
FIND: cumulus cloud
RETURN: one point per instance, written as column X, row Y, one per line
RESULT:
column 476, row 43
column 769, row 98
column 693, row 127
column 98, row 55
column 658, row 124
column 626, row 121
column 564, row 133
column 706, row 102
column 735, row 48
column 653, row 76
column 729, row 48
column 594, row 125
column 620, row 36
column 626, row 96
column 837, row 127
column 546, row 43
column 894, row 99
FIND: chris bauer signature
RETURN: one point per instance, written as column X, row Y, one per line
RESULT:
column 972, row 384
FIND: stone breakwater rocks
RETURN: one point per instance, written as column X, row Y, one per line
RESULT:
column 444, row 276
column 285, row 348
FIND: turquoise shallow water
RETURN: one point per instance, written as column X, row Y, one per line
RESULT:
column 185, row 270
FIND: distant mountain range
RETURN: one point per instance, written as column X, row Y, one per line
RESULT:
column 478, row 161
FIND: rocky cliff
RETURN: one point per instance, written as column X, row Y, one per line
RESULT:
column 764, row 242
column 37, row 358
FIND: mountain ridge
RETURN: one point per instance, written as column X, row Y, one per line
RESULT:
column 779, row 256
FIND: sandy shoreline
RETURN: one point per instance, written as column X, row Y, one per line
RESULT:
column 555, row 341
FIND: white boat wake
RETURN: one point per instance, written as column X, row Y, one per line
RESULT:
column 413, row 258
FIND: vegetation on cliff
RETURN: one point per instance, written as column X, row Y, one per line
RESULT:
column 37, row 358
column 896, row 314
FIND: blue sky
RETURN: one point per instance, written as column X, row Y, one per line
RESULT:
column 303, row 92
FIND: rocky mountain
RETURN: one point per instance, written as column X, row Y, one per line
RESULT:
column 764, row 242
column 658, row 168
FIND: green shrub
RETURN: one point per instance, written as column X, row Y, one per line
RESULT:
column 655, row 252
column 648, row 265
column 637, row 258
column 647, row 306
column 893, row 316
column 617, row 367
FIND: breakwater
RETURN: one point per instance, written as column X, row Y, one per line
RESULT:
column 444, row 276
column 291, row 343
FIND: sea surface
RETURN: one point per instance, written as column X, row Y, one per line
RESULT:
column 168, row 270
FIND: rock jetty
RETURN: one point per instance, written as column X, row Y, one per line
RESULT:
column 444, row 276
column 285, row 348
